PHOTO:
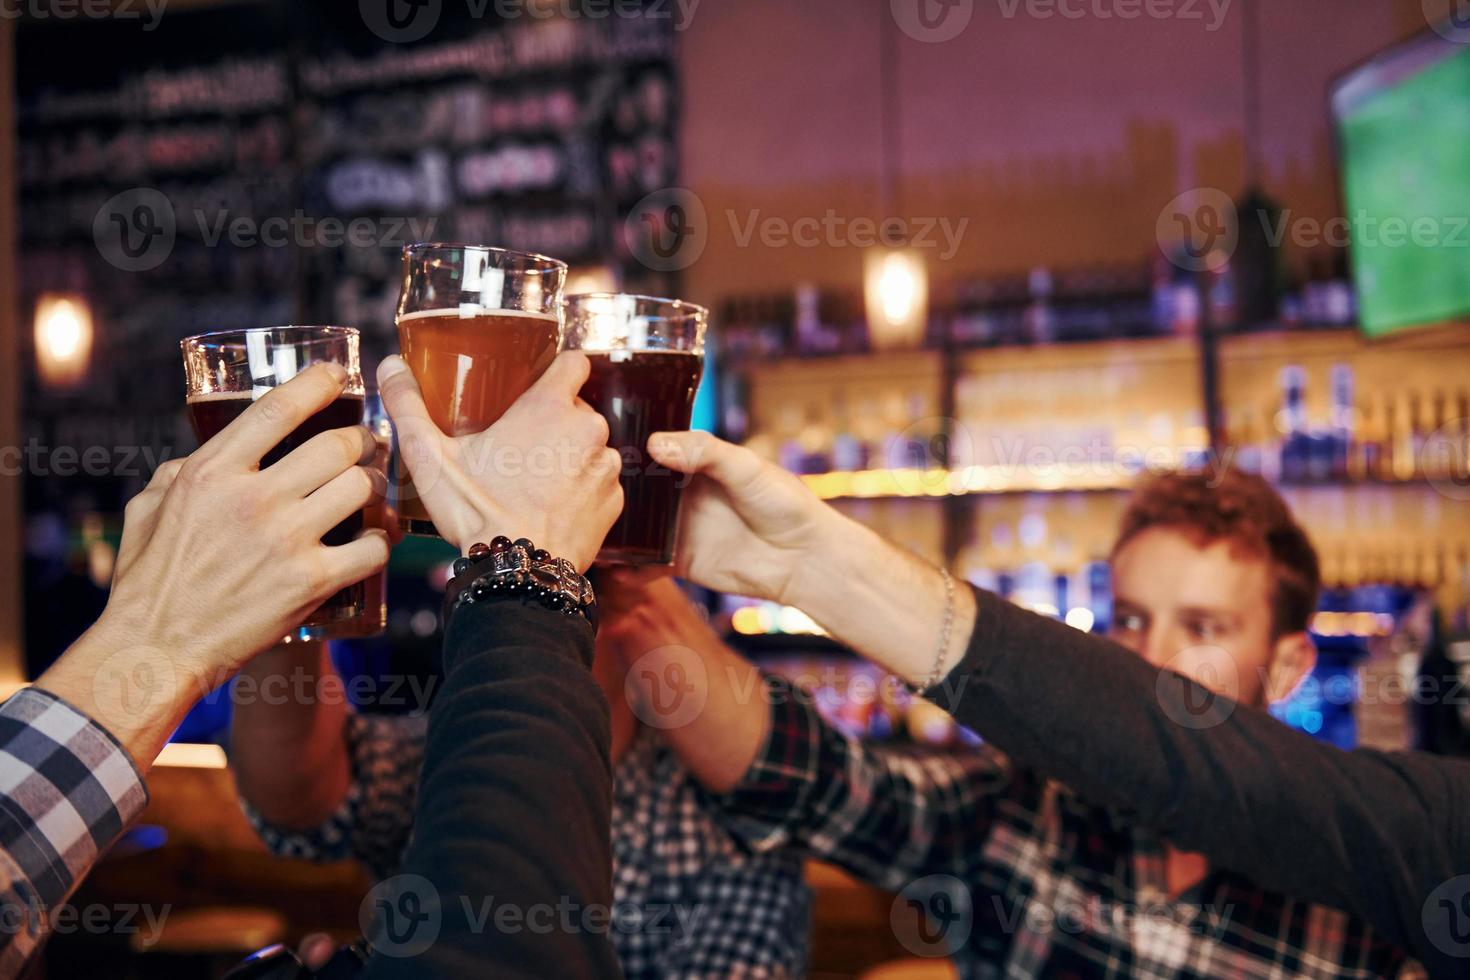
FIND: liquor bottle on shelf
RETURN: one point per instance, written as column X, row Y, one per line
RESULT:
column 1365, row 462
column 1291, row 313
column 734, row 405
column 807, row 331
column 1193, row 442
column 1223, row 297
column 1460, row 440
column 1244, row 440
column 1428, row 456
column 1419, row 431
column 815, row 440
column 867, row 428
column 974, row 320
column 1100, row 594
column 1136, row 318
column 1296, row 447
column 1314, row 294
column 1339, row 301
column 788, row 431
column 895, row 443
column 1161, row 297
column 1401, row 433
column 1041, row 320
column 848, row 452
column 1272, row 448
column 1184, row 305
column 1342, row 423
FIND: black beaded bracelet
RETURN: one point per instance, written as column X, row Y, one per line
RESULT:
column 518, row 568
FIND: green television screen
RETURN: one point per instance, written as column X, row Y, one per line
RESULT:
column 1403, row 134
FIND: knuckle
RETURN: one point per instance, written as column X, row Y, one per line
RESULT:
column 199, row 471
column 364, row 486
column 380, row 549
column 349, row 443
column 597, row 427
column 272, row 406
column 314, row 577
column 138, row 505
column 167, row 472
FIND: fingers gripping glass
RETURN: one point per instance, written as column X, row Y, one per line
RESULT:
column 647, row 357
column 225, row 372
column 477, row 327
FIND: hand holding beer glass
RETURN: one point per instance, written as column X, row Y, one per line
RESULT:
column 225, row 373
column 647, row 355
column 477, row 326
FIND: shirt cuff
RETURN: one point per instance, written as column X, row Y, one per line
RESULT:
column 67, row 790
column 771, row 805
column 993, row 622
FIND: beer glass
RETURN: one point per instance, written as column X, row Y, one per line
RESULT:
column 477, row 327
column 224, row 372
column 373, row 620
column 647, row 356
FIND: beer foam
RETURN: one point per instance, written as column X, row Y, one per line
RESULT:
column 222, row 396
column 620, row 354
column 245, row 396
column 474, row 312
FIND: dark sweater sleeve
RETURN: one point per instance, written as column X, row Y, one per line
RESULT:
column 511, row 847
column 1381, row 834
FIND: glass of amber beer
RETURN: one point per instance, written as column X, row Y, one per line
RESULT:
column 225, row 372
column 647, row 356
column 477, row 327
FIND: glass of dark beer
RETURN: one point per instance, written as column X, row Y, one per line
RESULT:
column 647, row 356
column 477, row 326
column 225, row 372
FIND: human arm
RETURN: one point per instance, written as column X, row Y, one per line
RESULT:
column 1376, row 833
column 295, row 745
column 288, row 744
column 70, row 790
column 349, row 788
column 514, row 804
column 514, row 801
column 751, row 528
column 1385, row 835
column 218, row 559
column 777, row 772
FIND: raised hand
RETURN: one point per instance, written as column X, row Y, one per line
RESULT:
column 220, row 559
column 544, row 471
column 752, row 528
column 746, row 525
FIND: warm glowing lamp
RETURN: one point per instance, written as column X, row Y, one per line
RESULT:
column 63, row 338
column 896, row 290
column 591, row 279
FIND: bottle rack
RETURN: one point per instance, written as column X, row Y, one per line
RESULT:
column 1366, row 439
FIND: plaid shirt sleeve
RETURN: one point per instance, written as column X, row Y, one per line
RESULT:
column 888, row 815
column 67, row 790
column 373, row 821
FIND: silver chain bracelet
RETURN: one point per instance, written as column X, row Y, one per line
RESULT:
column 936, row 673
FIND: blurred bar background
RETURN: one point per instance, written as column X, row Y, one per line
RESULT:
column 1116, row 257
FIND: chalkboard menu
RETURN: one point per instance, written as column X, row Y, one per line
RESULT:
column 264, row 163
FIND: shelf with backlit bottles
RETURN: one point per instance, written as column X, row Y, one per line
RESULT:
column 1010, row 464
column 1303, row 408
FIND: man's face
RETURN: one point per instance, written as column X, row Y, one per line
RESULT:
column 1201, row 611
